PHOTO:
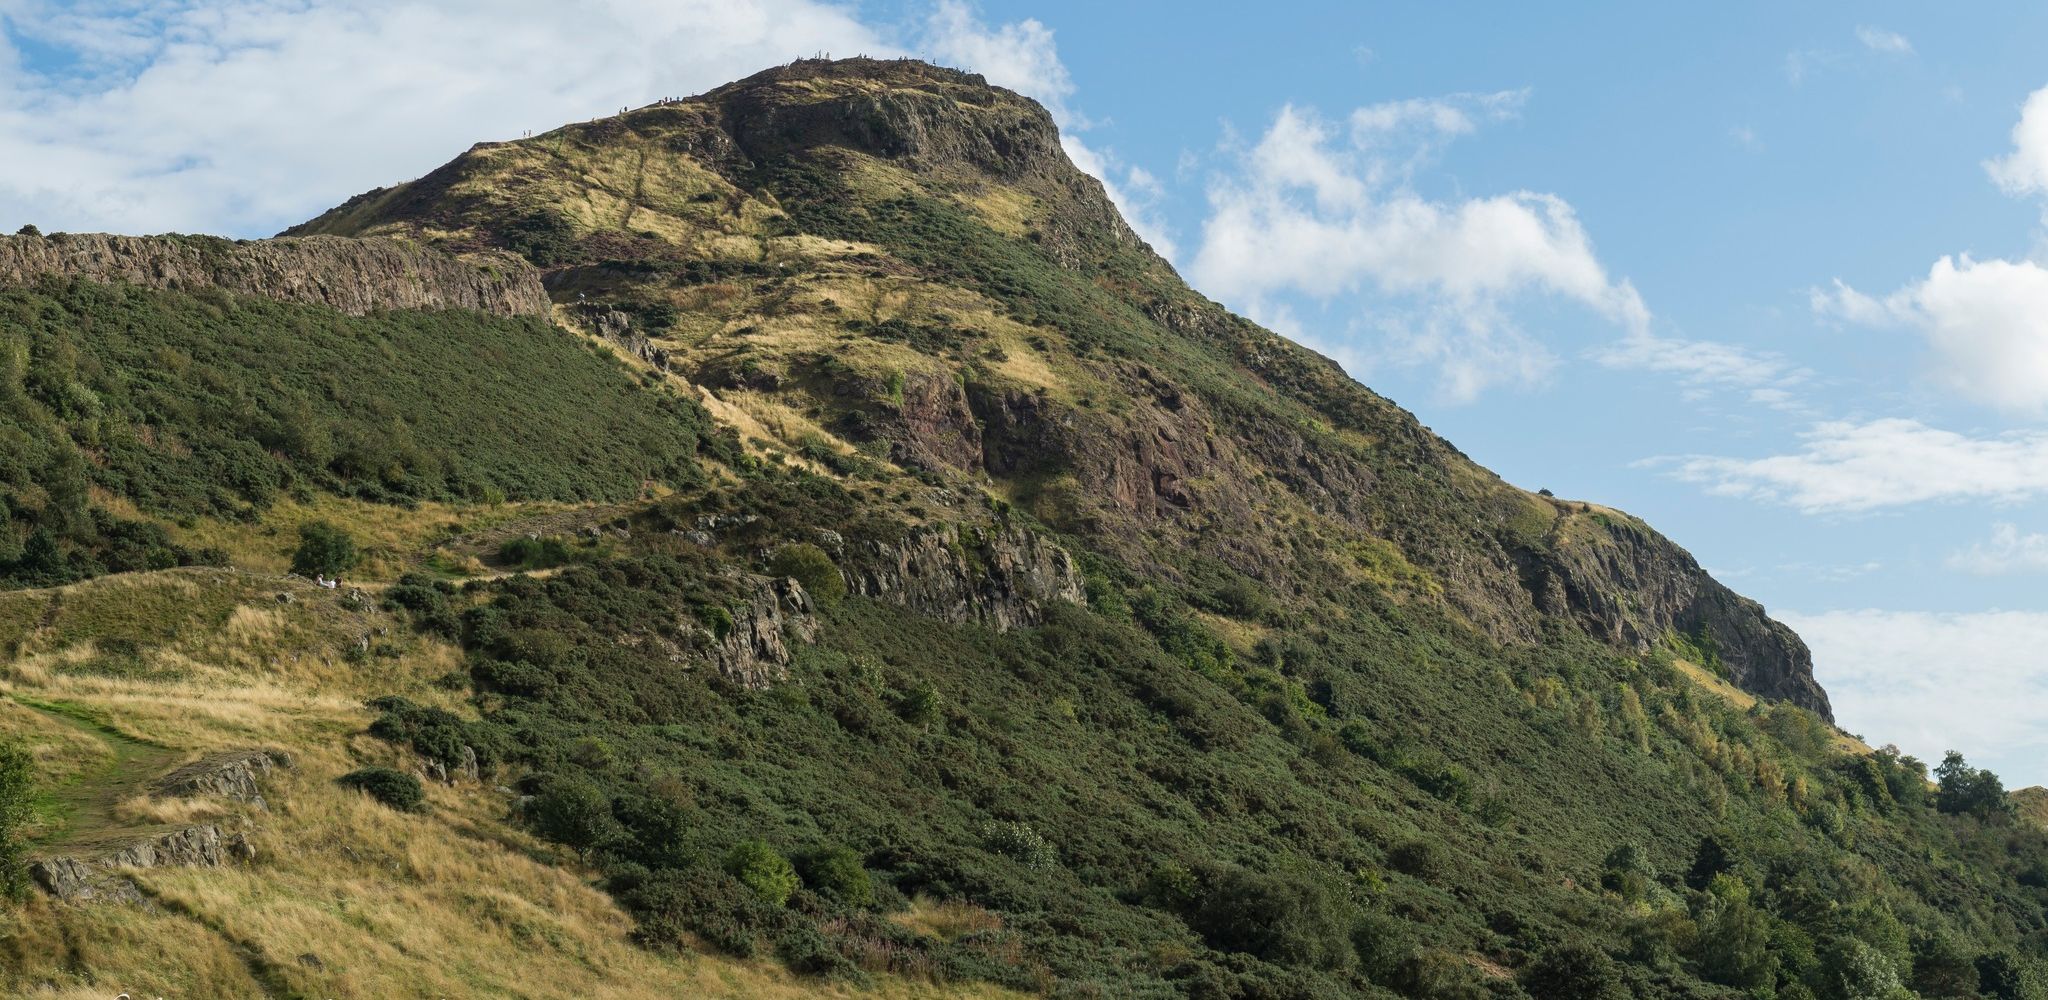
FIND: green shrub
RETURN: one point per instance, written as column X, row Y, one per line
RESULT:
column 1420, row 858
column 535, row 553
column 1287, row 919
column 836, row 873
column 17, row 788
column 324, row 550
column 920, row 706
column 808, row 564
column 1574, row 971
column 574, row 811
column 1020, row 842
column 397, row 789
column 762, row 869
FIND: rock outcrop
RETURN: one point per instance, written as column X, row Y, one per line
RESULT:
column 1636, row 589
column 1003, row 577
column 355, row 276
column 233, row 775
column 755, row 651
column 97, row 876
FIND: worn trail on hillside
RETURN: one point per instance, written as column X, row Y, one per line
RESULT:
column 86, row 805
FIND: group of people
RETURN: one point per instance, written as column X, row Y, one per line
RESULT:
column 323, row 581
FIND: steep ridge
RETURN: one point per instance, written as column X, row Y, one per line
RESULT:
column 891, row 210
column 352, row 276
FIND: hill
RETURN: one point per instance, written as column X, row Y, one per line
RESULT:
column 1226, row 677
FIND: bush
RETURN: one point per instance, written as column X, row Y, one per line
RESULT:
column 396, row 789
column 1291, row 920
column 574, row 811
column 1423, row 859
column 762, row 869
column 17, row 786
column 836, row 873
column 808, row 564
column 1574, row 971
column 1021, row 842
column 324, row 550
column 535, row 553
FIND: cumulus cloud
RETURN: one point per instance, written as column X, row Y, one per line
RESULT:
column 1324, row 209
column 1987, row 322
column 1880, row 40
column 1844, row 466
column 245, row 116
column 2007, row 551
column 2025, row 169
column 1935, row 682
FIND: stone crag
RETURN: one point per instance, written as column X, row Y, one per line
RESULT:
column 351, row 275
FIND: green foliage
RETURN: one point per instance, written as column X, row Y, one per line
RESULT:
column 574, row 810
column 536, row 553
column 1574, row 970
column 208, row 404
column 17, row 788
column 324, row 550
column 764, row 870
column 1968, row 790
column 1020, row 842
column 396, row 789
column 836, row 872
column 1289, row 920
column 808, row 564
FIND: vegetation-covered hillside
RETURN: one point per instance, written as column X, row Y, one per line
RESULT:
column 888, row 579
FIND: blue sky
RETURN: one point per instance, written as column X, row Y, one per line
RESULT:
column 1765, row 275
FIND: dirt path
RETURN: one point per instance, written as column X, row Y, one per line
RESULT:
column 85, row 805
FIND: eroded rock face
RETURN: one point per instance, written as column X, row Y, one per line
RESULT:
column 755, row 651
column 1634, row 587
column 621, row 329
column 353, row 276
column 1001, row 577
column 232, row 775
column 97, row 877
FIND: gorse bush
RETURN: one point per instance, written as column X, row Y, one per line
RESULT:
column 808, row 564
column 209, row 404
column 324, row 550
column 396, row 789
column 17, row 787
column 762, row 869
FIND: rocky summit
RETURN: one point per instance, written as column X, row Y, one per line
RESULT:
column 799, row 539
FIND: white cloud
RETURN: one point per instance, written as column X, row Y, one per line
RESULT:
column 1935, row 682
column 1880, row 40
column 2025, row 169
column 244, row 116
column 2008, row 551
column 1987, row 322
column 1024, row 57
column 1845, row 466
column 1706, row 362
column 1325, row 210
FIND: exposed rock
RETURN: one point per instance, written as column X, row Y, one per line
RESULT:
column 355, row 276
column 755, row 651
column 467, row 766
column 1002, row 577
column 232, row 775
column 1634, row 588
column 97, row 878
column 622, row 330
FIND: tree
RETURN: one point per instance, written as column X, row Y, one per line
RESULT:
column 28, row 230
column 324, row 550
column 1574, row 970
column 1734, row 937
column 1942, row 968
column 1966, row 789
column 1712, row 857
column 1853, row 970
column 17, row 783
column 763, row 869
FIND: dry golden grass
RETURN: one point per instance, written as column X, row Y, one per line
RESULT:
column 946, row 919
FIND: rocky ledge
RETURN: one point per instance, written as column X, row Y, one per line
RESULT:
column 1001, row 576
column 351, row 275
column 98, row 876
column 231, row 775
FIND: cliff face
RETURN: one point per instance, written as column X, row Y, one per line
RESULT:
column 898, row 261
column 353, row 276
